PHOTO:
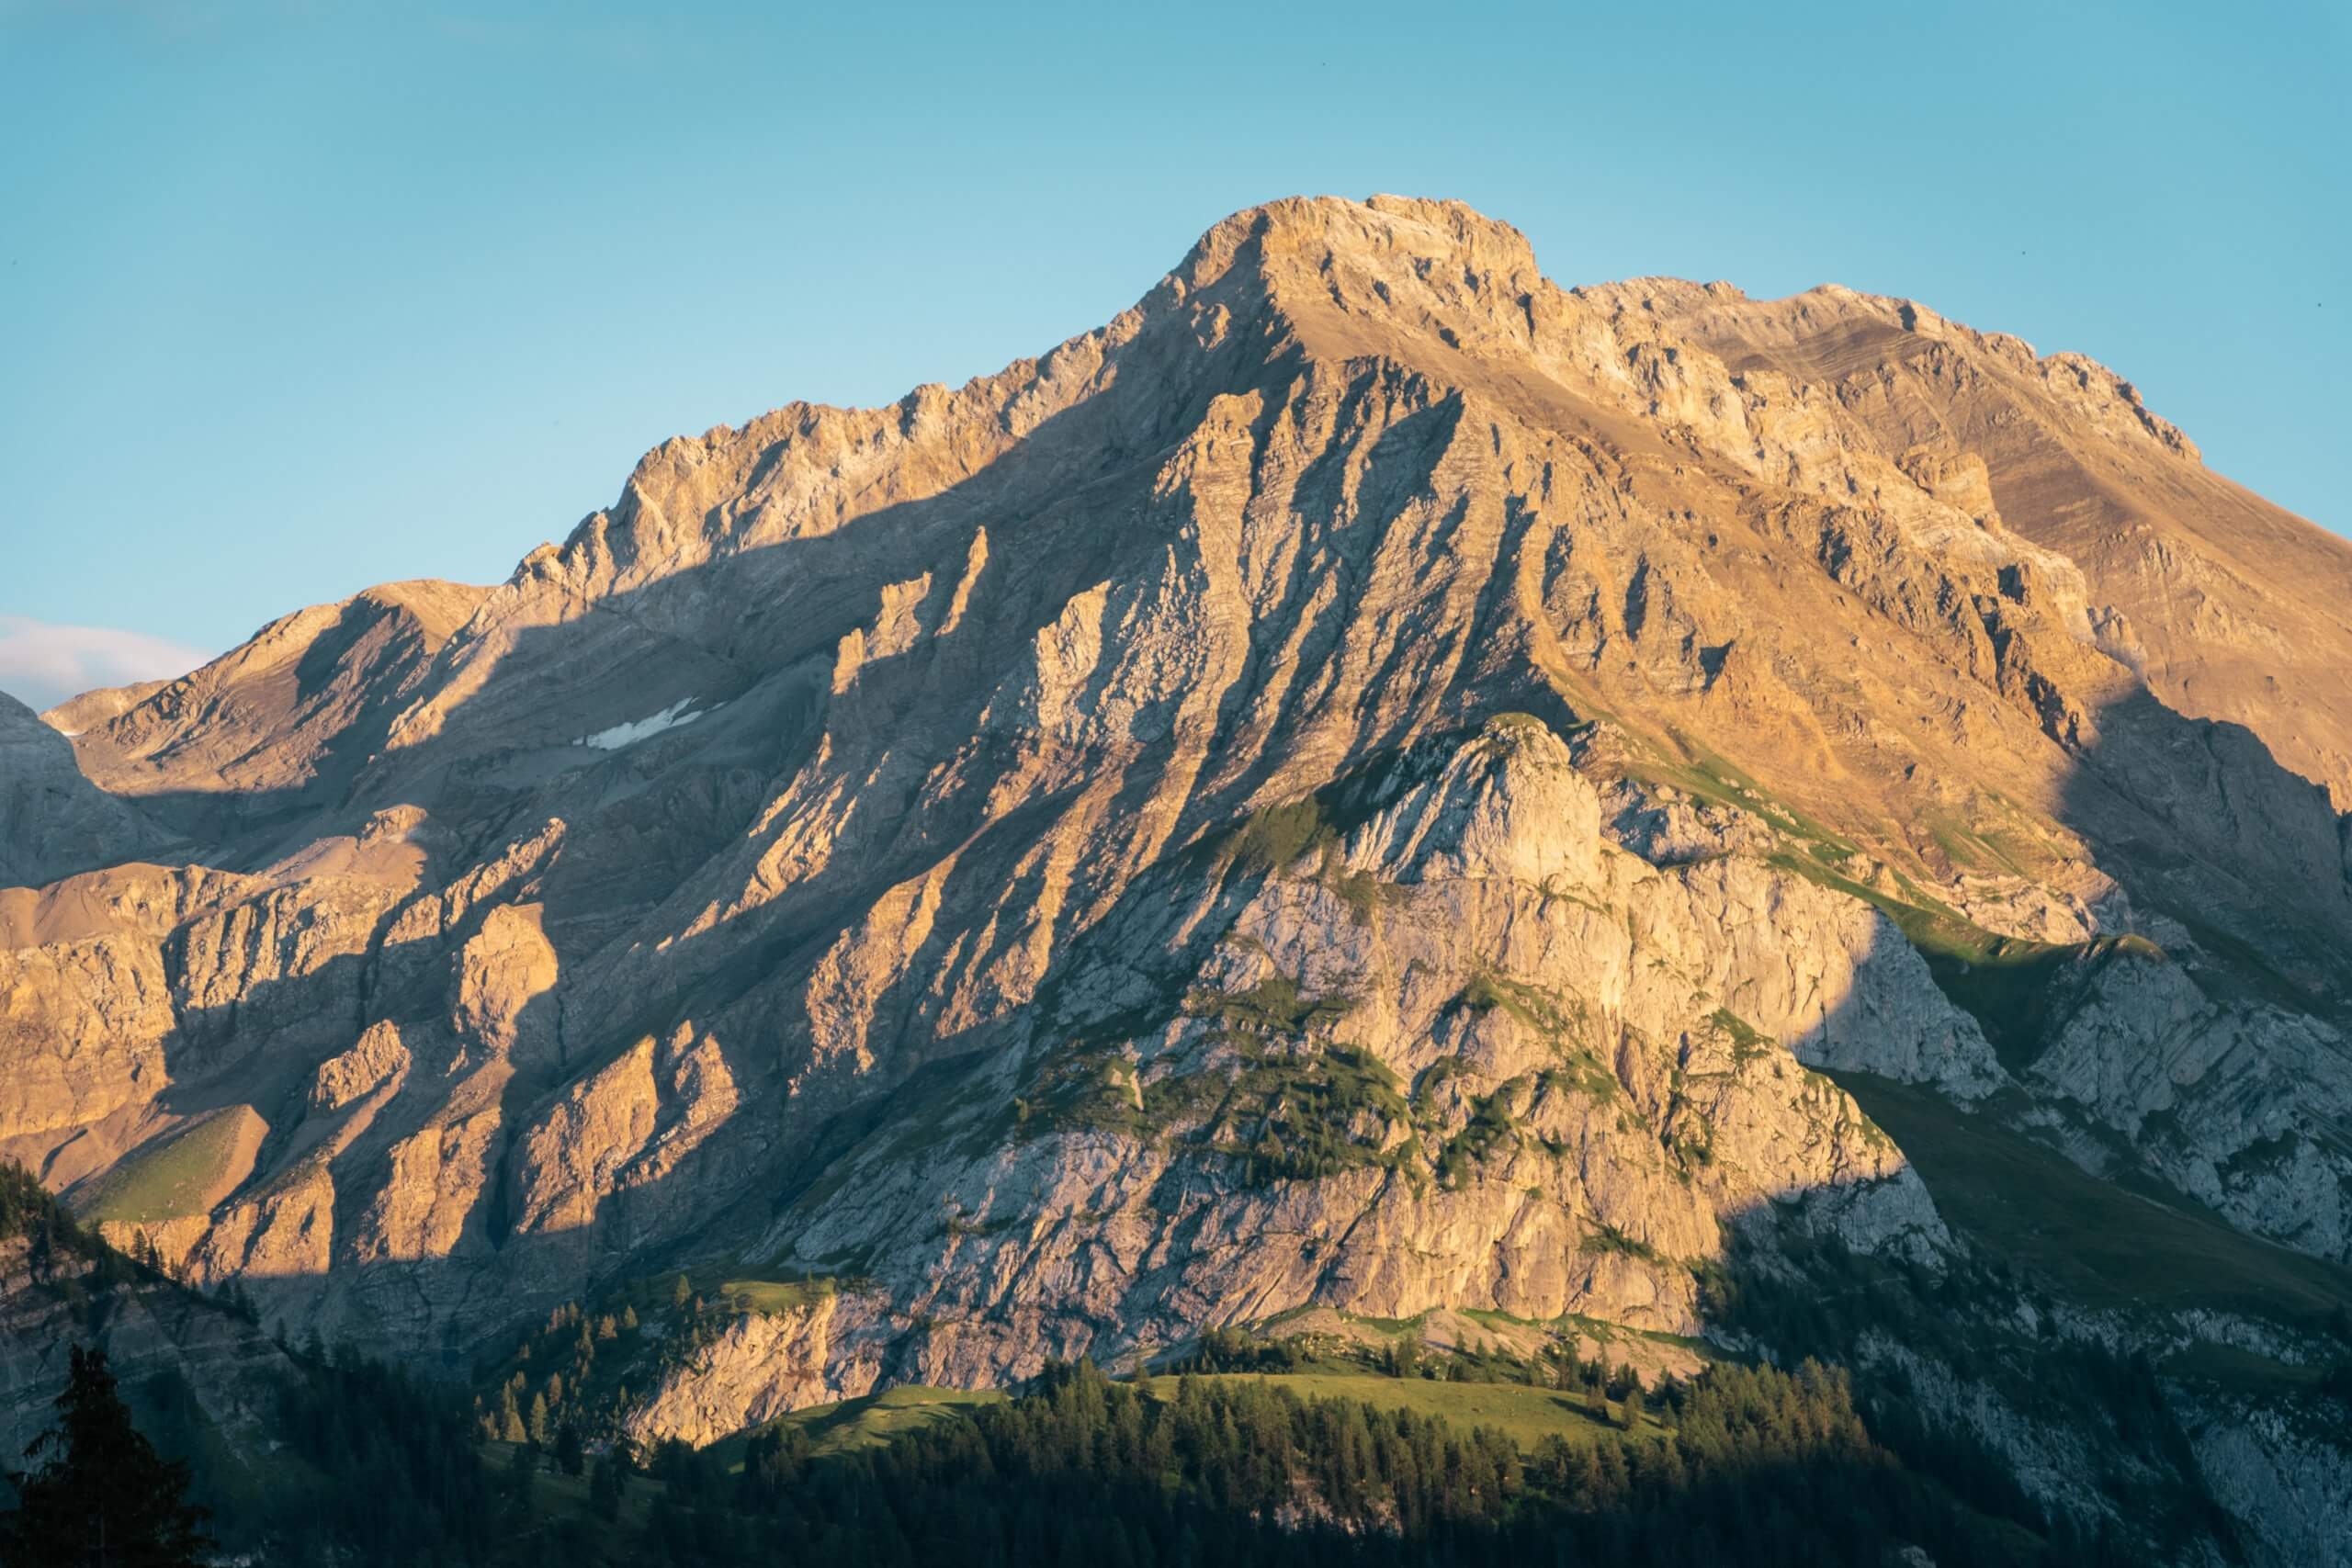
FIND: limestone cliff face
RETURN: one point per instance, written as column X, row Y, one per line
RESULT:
column 1467, row 1052
column 2233, row 1099
column 1370, row 784
column 2285, row 1481
column 766, row 1364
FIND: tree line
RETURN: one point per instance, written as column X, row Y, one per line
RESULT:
column 1756, row 1466
column 1741, row 1465
column 1759, row 1467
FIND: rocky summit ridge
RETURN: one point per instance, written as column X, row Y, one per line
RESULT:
column 1372, row 787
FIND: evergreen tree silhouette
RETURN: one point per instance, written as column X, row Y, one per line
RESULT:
column 102, row 1497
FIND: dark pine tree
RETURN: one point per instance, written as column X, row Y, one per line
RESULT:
column 101, row 1497
column 570, row 1456
column 605, row 1488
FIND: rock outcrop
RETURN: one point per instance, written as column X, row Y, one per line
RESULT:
column 1463, row 1053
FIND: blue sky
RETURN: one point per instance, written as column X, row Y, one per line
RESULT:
column 296, row 297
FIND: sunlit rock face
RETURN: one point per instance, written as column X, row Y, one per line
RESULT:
column 1372, row 784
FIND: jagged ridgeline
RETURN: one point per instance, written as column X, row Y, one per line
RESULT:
column 1426, row 820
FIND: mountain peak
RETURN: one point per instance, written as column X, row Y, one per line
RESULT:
column 1410, row 227
column 1309, row 247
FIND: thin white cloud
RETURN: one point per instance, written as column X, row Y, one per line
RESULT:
column 41, row 664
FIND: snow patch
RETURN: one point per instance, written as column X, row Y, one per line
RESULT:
column 622, row 735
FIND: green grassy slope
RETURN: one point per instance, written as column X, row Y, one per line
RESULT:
column 186, row 1173
column 1526, row 1415
column 869, row 1421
